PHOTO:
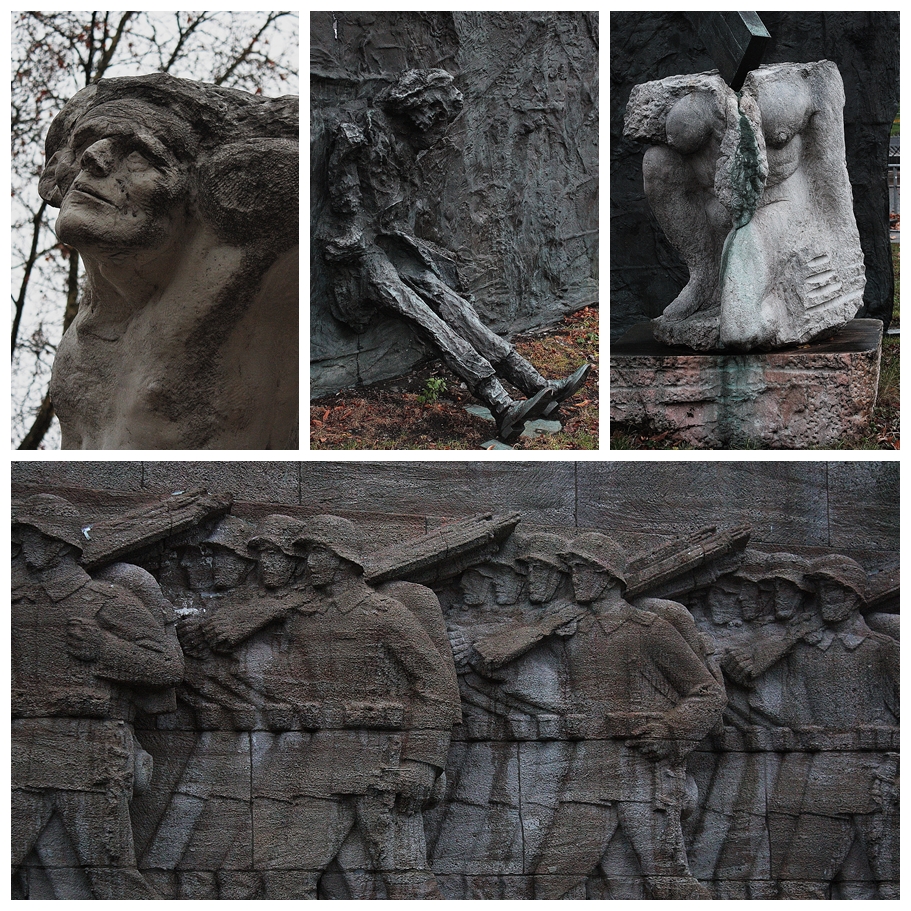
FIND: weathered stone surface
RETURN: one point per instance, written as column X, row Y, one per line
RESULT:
column 181, row 199
column 810, row 396
column 89, row 652
column 608, row 727
column 752, row 189
column 507, row 202
column 646, row 271
column 404, row 502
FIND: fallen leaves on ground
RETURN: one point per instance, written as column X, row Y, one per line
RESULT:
column 388, row 415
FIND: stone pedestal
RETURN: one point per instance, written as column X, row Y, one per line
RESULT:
column 811, row 395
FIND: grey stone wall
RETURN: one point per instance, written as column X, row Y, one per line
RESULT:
column 646, row 272
column 849, row 507
column 513, row 189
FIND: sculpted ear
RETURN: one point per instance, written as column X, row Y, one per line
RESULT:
column 47, row 185
column 248, row 191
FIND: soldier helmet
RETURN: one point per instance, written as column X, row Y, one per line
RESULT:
column 336, row 534
column 545, row 548
column 769, row 567
column 53, row 516
column 601, row 551
column 231, row 534
column 282, row 532
column 846, row 572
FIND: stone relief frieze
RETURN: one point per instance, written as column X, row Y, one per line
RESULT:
column 260, row 705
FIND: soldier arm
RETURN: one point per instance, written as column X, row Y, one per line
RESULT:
column 744, row 663
column 435, row 702
column 227, row 627
column 701, row 700
column 131, row 638
column 501, row 647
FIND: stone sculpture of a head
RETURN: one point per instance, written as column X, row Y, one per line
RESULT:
column 182, row 200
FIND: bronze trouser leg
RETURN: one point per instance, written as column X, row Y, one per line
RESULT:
column 458, row 313
column 387, row 286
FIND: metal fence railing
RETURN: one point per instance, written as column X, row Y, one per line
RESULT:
column 894, row 188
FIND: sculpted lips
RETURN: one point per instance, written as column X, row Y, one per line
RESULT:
column 87, row 190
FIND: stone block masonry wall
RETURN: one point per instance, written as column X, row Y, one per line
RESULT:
column 731, row 733
column 850, row 507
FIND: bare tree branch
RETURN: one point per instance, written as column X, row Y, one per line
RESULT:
column 39, row 428
column 183, row 37
column 272, row 17
column 72, row 291
column 87, row 69
column 112, row 47
column 29, row 263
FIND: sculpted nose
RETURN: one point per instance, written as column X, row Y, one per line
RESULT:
column 98, row 159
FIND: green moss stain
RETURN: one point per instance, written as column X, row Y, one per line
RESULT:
column 747, row 183
column 746, row 177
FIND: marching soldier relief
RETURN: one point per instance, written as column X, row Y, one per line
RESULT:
column 217, row 699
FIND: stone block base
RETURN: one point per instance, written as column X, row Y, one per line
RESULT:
column 812, row 395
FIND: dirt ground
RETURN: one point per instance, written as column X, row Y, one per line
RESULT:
column 425, row 408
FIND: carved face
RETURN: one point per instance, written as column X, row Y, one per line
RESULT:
column 543, row 581
column 40, row 551
column 275, row 567
column 122, row 188
column 214, row 569
column 507, row 585
column 750, row 600
column 589, row 581
column 475, row 587
column 836, row 602
column 324, row 566
column 788, row 599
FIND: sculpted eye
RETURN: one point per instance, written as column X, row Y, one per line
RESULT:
column 136, row 161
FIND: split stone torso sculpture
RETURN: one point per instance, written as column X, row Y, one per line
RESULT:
column 266, row 706
column 752, row 189
column 182, row 200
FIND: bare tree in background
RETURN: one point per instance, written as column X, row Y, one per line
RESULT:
column 56, row 54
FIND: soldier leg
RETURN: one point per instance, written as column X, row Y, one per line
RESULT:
column 397, row 847
column 578, row 837
column 458, row 354
column 98, row 823
column 458, row 312
column 656, row 836
column 815, row 856
column 296, row 840
column 878, row 834
column 30, row 812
